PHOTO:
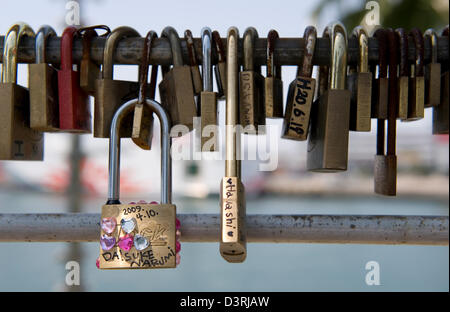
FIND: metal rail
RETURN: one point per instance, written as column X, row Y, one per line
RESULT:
column 288, row 51
column 331, row 229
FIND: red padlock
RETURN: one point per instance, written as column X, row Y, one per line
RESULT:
column 74, row 110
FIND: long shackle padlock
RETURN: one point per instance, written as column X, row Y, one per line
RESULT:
column 17, row 140
column 43, row 84
column 148, row 230
column 208, row 98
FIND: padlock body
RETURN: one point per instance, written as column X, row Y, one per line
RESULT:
column 44, row 106
column 109, row 96
column 74, row 110
column 177, row 96
column 416, row 98
column 17, row 140
column 196, row 80
column 385, row 175
column 273, row 89
column 432, row 84
column 380, row 98
column 360, row 86
column 220, row 70
column 233, row 232
column 441, row 112
column 298, row 108
column 89, row 73
column 403, row 97
column 142, row 133
column 251, row 99
column 156, row 223
column 209, row 140
column 328, row 139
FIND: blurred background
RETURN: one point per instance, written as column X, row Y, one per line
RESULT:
column 73, row 175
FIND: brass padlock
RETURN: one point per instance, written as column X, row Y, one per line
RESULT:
column 385, row 170
column 359, row 82
column 43, row 84
column 432, row 72
column 220, row 69
column 403, row 80
column 416, row 96
column 273, row 85
column 111, row 94
column 176, row 89
column 138, row 236
column 301, row 93
column 17, row 140
column 251, row 93
column 328, row 140
column 233, row 233
column 142, row 133
column 441, row 112
column 380, row 94
column 208, row 98
column 195, row 71
column 89, row 70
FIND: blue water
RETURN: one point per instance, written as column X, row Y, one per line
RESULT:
column 269, row 267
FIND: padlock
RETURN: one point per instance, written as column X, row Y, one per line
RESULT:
column 441, row 112
column 220, row 69
column 43, row 84
column 208, row 98
column 109, row 93
column 176, row 89
column 416, row 103
column 328, row 142
column 251, row 84
column 74, row 109
column 385, row 170
column 142, row 133
column 359, row 82
column 17, row 140
column 138, row 236
column 403, row 80
column 432, row 72
column 233, row 233
column 273, row 85
column 195, row 71
column 89, row 70
column 301, row 93
column 380, row 87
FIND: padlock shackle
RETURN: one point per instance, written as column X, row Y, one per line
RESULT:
column 404, row 50
column 114, row 151
column 218, row 45
column 363, row 43
column 66, row 47
column 41, row 42
column 232, row 164
column 206, row 59
column 271, row 69
column 143, row 68
column 10, row 50
column 310, row 38
column 380, row 34
column 420, row 52
column 250, row 36
column 338, row 42
column 110, row 45
column 190, row 47
column 175, row 45
column 393, row 43
column 433, row 37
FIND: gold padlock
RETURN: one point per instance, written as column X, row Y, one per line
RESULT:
column 43, row 84
column 233, row 233
column 138, row 236
column 432, row 72
column 17, row 140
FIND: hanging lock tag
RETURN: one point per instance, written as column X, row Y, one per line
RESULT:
column 432, row 72
column 176, row 89
column 17, row 140
column 74, row 110
column 43, row 83
column 403, row 80
column 138, row 236
column 273, row 85
column 301, row 93
column 220, row 69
